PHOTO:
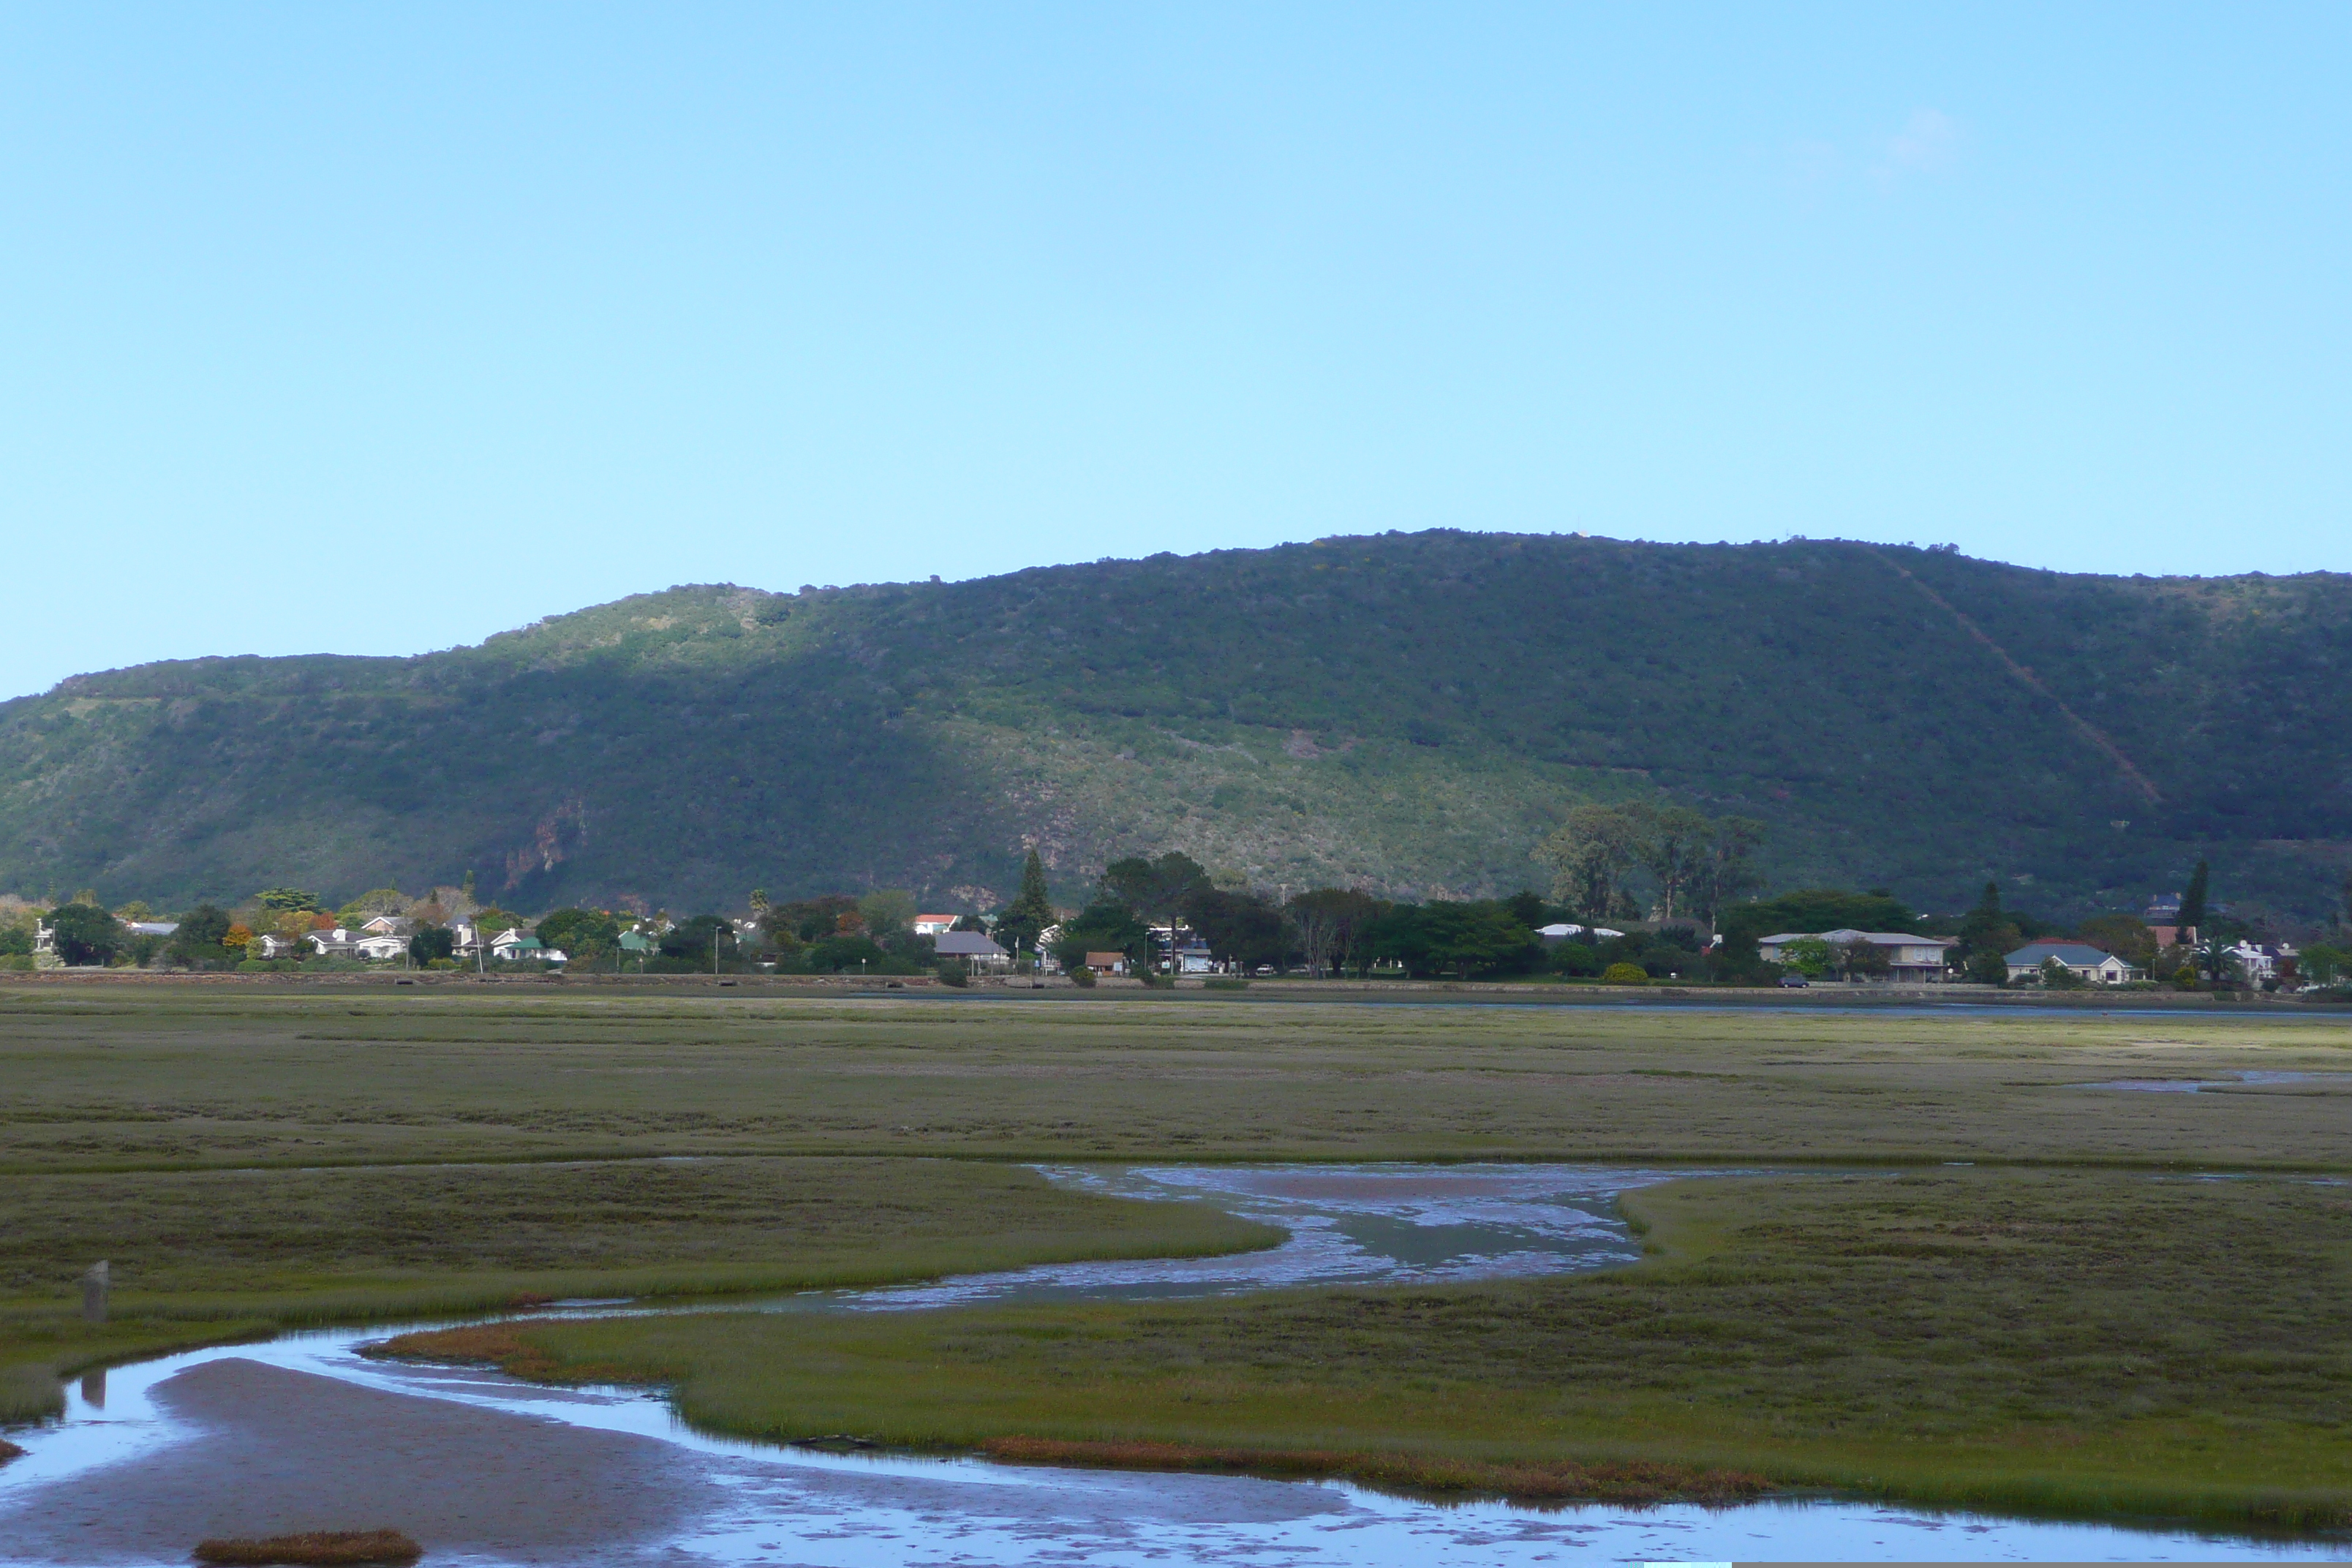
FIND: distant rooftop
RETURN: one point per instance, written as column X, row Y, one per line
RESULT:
column 967, row 944
column 2072, row 953
column 1845, row 934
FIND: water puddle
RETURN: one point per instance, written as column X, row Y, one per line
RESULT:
column 1348, row 1225
column 143, row 1451
column 2234, row 1080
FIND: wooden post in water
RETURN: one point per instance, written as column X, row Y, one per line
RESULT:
column 93, row 1294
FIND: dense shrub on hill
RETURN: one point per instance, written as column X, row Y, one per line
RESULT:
column 1409, row 714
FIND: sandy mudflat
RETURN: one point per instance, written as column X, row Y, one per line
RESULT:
column 278, row 1451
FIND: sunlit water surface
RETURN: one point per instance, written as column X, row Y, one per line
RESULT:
column 1363, row 1225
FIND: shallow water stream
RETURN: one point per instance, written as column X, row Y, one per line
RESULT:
column 149, row 1458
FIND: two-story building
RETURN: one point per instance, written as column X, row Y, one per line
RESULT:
column 1913, row 960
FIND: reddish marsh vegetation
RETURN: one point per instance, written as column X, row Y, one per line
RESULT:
column 1636, row 1482
column 501, row 1345
column 323, row 1546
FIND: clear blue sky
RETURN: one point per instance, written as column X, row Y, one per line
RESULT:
column 377, row 329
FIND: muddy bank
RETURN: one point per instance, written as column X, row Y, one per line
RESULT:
column 276, row 1452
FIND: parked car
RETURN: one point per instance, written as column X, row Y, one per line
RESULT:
column 1795, row 981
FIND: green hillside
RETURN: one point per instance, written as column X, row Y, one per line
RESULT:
column 1409, row 712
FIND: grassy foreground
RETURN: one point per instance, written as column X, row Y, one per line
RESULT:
column 180, row 1077
column 2090, row 1343
column 200, row 1257
column 2077, row 1332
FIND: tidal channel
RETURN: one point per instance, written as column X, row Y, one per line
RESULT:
column 303, row 1432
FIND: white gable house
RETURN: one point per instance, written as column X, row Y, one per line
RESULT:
column 2095, row 965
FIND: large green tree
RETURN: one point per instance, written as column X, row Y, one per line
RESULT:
column 1451, row 937
column 1671, row 843
column 1331, row 923
column 1104, row 926
column 200, row 942
column 1809, row 957
column 805, row 920
column 1155, row 891
column 889, row 914
column 1240, row 928
column 2125, row 936
column 1860, row 958
column 1726, row 870
column 2192, row 900
column 705, row 941
column 373, row 903
column 1031, row 910
column 1590, row 855
column 578, row 932
column 84, row 934
column 427, row 942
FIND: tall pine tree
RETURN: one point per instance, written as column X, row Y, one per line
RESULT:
column 1987, row 935
column 1031, row 910
column 2192, row 902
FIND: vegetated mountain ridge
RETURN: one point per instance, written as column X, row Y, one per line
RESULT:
column 1406, row 712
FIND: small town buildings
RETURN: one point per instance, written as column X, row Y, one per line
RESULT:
column 389, row 925
column 2262, row 961
column 1106, row 962
column 934, row 925
column 375, row 947
column 1563, row 930
column 511, row 946
column 975, row 948
column 335, row 942
column 2086, row 962
column 150, row 928
column 1913, row 959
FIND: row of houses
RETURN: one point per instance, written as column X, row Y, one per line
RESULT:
column 386, row 937
column 1927, row 960
column 1918, row 960
column 1179, row 947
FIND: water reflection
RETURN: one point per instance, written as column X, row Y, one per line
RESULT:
column 1355, row 1225
column 2192, row 1085
column 1358, row 1225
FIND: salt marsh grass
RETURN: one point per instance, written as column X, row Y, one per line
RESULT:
column 2036, row 1341
column 2071, row 1323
